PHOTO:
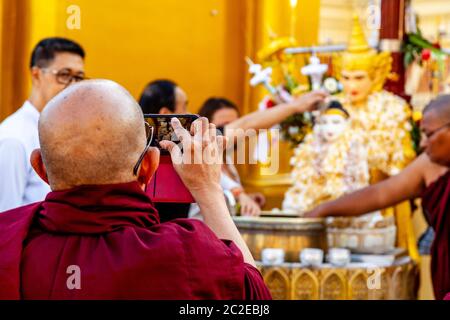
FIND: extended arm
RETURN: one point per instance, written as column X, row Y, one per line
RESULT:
column 216, row 216
column 406, row 185
column 267, row 118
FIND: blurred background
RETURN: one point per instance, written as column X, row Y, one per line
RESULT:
column 200, row 44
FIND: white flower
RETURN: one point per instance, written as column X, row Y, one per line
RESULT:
column 407, row 126
column 331, row 85
column 293, row 130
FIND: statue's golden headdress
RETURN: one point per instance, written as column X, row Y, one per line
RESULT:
column 360, row 56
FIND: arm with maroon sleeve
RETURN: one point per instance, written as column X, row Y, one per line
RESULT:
column 406, row 185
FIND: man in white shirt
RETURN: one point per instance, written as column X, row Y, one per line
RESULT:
column 55, row 64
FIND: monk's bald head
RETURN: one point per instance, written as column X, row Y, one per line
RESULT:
column 91, row 133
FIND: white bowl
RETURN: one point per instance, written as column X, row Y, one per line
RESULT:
column 311, row 256
column 339, row 256
column 272, row 256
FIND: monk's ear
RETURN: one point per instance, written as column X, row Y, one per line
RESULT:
column 36, row 75
column 38, row 164
column 148, row 166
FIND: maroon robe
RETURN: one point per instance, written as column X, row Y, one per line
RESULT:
column 436, row 204
column 113, row 234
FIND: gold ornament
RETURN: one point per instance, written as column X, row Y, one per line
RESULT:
column 385, row 121
column 360, row 56
column 275, row 49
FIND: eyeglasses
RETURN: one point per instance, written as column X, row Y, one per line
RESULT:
column 429, row 134
column 65, row 76
column 149, row 130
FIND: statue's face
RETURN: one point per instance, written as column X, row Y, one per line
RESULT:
column 330, row 126
column 357, row 85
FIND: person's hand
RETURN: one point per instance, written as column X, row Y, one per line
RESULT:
column 317, row 212
column 248, row 206
column 259, row 198
column 199, row 165
column 308, row 101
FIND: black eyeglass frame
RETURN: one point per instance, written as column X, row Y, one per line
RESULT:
column 58, row 75
column 150, row 134
column 432, row 133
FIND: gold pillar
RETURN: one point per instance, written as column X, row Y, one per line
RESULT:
column 13, row 57
column 43, row 23
column 266, row 18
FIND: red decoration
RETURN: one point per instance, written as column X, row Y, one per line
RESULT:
column 437, row 45
column 426, row 54
column 270, row 103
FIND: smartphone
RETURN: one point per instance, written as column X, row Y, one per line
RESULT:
column 166, row 185
column 163, row 129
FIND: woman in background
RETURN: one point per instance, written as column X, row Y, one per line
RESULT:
column 222, row 112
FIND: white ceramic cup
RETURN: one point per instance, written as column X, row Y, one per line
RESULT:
column 272, row 256
column 311, row 256
column 339, row 256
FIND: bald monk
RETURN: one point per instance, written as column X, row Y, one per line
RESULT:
column 427, row 177
column 97, row 234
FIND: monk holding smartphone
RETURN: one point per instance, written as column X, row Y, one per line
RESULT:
column 97, row 234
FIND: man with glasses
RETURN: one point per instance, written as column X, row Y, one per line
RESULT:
column 55, row 64
column 427, row 177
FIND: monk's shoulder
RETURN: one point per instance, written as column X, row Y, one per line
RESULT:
column 430, row 171
column 17, row 214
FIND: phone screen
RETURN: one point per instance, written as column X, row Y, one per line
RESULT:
column 163, row 129
column 166, row 186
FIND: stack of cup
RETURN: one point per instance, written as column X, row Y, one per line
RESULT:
column 311, row 257
column 339, row 256
column 272, row 256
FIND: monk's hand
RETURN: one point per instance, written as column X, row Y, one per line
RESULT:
column 308, row 101
column 317, row 212
column 198, row 157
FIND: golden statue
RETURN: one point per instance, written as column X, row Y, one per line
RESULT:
column 362, row 72
column 380, row 117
